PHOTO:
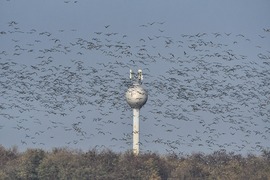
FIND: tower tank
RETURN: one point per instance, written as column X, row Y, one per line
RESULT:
column 136, row 96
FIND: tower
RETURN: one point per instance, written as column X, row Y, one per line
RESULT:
column 136, row 97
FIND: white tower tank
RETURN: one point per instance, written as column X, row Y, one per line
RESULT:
column 136, row 97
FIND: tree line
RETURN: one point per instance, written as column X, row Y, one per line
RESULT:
column 64, row 163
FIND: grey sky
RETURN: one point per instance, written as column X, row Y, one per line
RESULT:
column 206, row 66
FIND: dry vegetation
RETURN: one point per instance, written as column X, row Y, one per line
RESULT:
column 62, row 163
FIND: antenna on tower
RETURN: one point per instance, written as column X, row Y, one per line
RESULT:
column 140, row 76
column 130, row 74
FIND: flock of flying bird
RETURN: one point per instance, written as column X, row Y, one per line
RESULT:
column 204, row 94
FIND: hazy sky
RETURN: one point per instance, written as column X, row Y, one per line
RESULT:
column 206, row 67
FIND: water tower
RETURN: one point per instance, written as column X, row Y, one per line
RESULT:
column 136, row 97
